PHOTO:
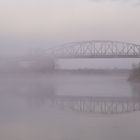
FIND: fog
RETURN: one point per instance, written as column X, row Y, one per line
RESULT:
column 67, row 21
column 33, row 26
column 69, row 69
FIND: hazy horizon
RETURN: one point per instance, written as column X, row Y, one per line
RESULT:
column 27, row 25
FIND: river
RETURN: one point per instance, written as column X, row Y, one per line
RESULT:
column 69, row 107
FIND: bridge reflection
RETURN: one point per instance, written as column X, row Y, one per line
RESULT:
column 97, row 105
column 38, row 94
column 84, row 104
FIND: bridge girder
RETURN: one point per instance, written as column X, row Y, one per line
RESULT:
column 96, row 49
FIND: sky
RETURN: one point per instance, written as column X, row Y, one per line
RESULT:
column 45, row 23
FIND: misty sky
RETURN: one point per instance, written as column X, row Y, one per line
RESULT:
column 50, row 22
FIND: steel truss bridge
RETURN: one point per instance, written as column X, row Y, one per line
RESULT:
column 97, row 105
column 96, row 49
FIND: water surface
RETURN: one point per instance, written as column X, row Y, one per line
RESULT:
column 69, row 107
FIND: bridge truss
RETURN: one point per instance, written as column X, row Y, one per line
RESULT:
column 96, row 49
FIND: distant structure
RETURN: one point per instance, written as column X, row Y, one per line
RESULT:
column 46, row 60
column 95, row 49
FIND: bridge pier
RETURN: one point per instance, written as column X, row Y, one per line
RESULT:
column 50, row 64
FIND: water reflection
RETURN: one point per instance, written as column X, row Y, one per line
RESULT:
column 60, row 108
column 45, row 92
column 98, row 105
column 135, row 89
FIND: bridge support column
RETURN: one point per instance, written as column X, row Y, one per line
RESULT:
column 50, row 64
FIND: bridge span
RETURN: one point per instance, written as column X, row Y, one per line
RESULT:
column 95, row 49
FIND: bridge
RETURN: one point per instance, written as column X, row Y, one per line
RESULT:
column 95, row 49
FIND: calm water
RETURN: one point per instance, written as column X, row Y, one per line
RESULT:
column 69, row 107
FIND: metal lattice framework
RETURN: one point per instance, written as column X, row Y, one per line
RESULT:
column 97, row 105
column 96, row 49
